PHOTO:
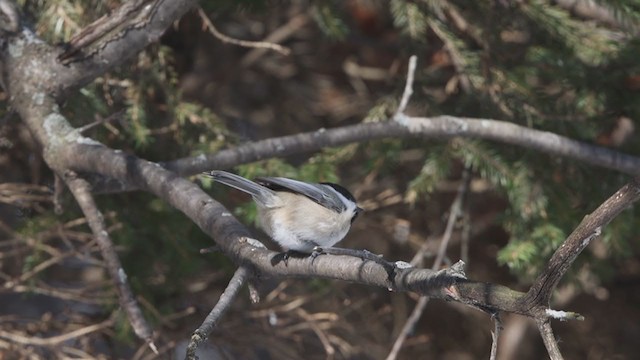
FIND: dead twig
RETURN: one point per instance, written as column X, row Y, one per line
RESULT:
column 244, row 43
column 82, row 192
column 416, row 314
column 495, row 335
column 54, row 340
column 226, row 299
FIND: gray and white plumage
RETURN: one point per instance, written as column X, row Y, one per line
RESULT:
column 297, row 215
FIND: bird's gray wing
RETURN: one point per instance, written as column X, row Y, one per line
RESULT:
column 316, row 192
column 261, row 194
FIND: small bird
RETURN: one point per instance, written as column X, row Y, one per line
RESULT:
column 299, row 216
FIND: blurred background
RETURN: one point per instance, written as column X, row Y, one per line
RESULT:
column 569, row 67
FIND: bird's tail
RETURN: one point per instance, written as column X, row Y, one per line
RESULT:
column 259, row 192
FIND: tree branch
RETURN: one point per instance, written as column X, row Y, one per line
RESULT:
column 590, row 228
column 33, row 67
column 416, row 314
column 432, row 128
column 202, row 333
column 82, row 192
column 550, row 342
column 495, row 336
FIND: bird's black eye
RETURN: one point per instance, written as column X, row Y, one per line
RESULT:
column 355, row 214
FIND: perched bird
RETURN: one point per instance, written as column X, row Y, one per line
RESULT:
column 299, row 216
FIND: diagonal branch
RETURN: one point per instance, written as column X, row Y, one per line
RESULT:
column 82, row 192
column 202, row 333
column 590, row 228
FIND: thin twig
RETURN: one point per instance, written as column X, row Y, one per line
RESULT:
column 60, row 294
column 456, row 211
column 550, row 342
column 226, row 299
column 82, row 192
column 58, row 191
column 43, row 266
column 408, row 87
column 408, row 327
column 279, row 35
column 102, row 120
column 322, row 336
column 244, row 43
column 416, row 314
column 466, row 233
column 495, row 335
column 54, row 340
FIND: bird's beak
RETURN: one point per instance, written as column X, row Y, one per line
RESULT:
column 359, row 210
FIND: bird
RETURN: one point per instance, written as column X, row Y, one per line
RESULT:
column 300, row 216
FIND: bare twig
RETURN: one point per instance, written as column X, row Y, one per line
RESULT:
column 226, row 299
column 282, row 33
column 408, row 88
column 550, row 342
column 416, row 314
column 23, row 195
column 58, row 191
column 320, row 333
column 466, row 233
column 82, row 192
column 54, row 340
column 244, row 43
column 102, row 120
column 66, row 294
column 495, row 335
column 456, row 212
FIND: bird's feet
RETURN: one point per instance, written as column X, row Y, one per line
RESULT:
column 286, row 255
column 362, row 254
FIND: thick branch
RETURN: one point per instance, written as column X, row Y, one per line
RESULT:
column 436, row 128
column 234, row 239
column 33, row 66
